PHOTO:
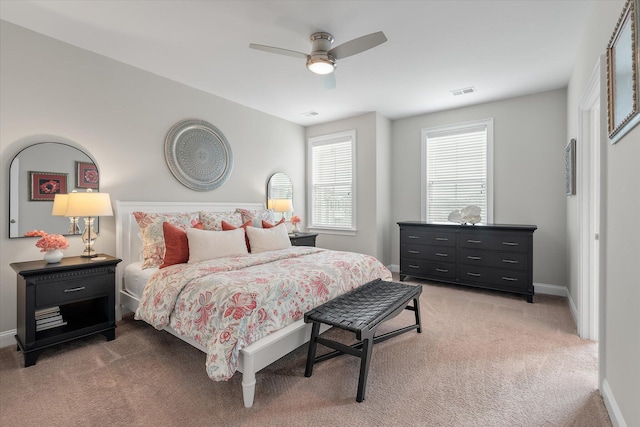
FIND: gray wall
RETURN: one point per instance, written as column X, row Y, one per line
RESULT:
column 620, row 241
column 120, row 116
column 528, row 147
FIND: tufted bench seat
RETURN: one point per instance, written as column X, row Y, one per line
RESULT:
column 361, row 311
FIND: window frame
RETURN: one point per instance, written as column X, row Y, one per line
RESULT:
column 333, row 138
column 461, row 127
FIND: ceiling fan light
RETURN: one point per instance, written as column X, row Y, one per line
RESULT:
column 321, row 65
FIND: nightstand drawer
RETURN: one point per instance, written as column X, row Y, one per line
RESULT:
column 496, row 242
column 58, row 293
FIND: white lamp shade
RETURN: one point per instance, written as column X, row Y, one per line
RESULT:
column 59, row 205
column 89, row 204
column 282, row 205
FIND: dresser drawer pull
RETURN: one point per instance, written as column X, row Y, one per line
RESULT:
column 414, row 237
column 442, row 239
column 510, row 279
column 474, row 274
column 442, row 270
column 414, row 266
column 477, row 258
column 510, row 261
column 510, row 243
column 80, row 288
column 413, row 252
column 441, row 254
column 474, row 241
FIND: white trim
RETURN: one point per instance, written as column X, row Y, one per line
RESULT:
column 7, row 338
column 546, row 289
column 612, row 406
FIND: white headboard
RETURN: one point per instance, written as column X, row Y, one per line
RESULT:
column 128, row 241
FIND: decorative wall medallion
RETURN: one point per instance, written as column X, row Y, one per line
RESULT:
column 198, row 155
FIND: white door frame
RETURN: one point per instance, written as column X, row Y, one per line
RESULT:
column 588, row 192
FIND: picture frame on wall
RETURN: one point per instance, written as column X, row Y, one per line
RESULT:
column 570, row 168
column 87, row 175
column 45, row 185
column 623, row 78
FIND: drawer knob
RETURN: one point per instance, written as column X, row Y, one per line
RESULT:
column 441, row 254
column 80, row 288
column 510, row 243
column 474, row 241
column 510, row 261
column 442, row 270
column 414, row 266
column 510, row 279
column 476, row 258
column 413, row 252
column 474, row 274
column 442, row 239
column 414, row 237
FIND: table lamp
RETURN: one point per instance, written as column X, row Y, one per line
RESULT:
column 60, row 209
column 90, row 205
column 282, row 205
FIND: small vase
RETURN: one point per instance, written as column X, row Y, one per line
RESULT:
column 53, row 256
column 295, row 229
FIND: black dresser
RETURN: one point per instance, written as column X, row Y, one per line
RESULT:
column 490, row 256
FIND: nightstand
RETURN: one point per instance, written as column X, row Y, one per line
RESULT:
column 303, row 239
column 60, row 302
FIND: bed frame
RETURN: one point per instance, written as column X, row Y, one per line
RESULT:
column 129, row 247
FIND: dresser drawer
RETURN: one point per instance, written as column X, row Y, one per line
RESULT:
column 417, row 236
column 63, row 292
column 497, row 242
column 432, row 253
column 420, row 268
column 511, row 260
column 498, row 278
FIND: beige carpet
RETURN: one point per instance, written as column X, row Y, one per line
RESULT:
column 483, row 359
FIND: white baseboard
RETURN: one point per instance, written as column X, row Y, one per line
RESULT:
column 7, row 338
column 612, row 406
column 395, row 268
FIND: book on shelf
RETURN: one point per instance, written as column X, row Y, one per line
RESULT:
column 48, row 318
column 51, row 319
column 50, row 325
column 46, row 311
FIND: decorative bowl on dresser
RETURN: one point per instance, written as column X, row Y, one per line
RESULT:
column 67, row 300
column 489, row 256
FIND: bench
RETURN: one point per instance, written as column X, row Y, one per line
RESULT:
column 361, row 311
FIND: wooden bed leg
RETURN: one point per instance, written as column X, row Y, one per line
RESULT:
column 248, row 388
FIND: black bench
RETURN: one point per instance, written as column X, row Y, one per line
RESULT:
column 361, row 311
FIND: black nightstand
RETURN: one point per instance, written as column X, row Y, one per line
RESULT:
column 70, row 299
column 303, row 239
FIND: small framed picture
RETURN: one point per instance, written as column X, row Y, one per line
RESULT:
column 570, row 168
column 87, row 175
column 45, row 185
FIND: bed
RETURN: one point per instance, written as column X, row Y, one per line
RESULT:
column 259, row 330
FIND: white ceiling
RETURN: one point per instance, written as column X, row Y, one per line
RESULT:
column 503, row 48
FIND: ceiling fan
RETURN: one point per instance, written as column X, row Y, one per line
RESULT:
column 322, row 59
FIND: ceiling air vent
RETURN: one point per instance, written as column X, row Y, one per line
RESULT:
column 309, row 114
column 463, row 91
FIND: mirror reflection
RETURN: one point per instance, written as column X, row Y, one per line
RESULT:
column 280, row 194
column 37, row 174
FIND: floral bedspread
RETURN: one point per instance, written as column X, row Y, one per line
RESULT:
column 228, row 303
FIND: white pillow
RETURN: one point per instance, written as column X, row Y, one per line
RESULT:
column 204, row 244
column 268, row 239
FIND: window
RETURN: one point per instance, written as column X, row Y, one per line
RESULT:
column 457, row 169
column 332, row 181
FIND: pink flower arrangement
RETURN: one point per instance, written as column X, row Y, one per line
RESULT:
column 50, row 242
column 35, row 233
column 295, row 219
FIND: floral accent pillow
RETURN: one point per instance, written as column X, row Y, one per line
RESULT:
column 150, row 224
column 213, row 220
column 257, row 216
column 266, row 224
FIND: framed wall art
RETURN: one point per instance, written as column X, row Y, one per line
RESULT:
column 45, row 185
column 623, row 80
column 570, row 168
column 87, row 175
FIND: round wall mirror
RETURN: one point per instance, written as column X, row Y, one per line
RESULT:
column 279, row 189
column 37, row 174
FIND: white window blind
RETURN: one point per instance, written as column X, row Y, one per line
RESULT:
column 456, row 169
column 332, row 181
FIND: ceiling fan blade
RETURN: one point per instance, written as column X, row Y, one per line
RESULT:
column 329, row 81
column 358, row 45
column 278, row 50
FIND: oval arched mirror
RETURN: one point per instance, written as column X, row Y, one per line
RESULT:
column 279, row 188
column 37, row 174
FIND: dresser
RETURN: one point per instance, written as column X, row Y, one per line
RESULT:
column 64, row 301
column 489, row 256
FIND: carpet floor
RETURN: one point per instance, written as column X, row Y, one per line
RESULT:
column 482, row 359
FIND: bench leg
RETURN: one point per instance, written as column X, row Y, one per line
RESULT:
column 416, row 306
column 367, row 348
column 311, row 355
